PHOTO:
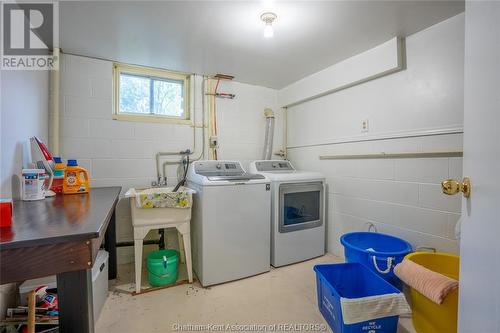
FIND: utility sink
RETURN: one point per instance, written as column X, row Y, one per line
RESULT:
column 161, row 208
column 160, row 205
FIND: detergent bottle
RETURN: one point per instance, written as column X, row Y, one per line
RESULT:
column 76, row 178
column 58, row 181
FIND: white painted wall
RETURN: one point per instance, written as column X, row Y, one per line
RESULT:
column 121, row 153
column 381, row 60
column 242, row 123
column 24, row 113
column 399, row 196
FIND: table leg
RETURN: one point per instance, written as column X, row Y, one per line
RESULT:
column 110, row 246
column 76, row 309
column 31, row 311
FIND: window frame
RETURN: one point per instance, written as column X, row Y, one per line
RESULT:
column 152, row 73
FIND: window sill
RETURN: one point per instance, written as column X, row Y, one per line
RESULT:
column 152, row 119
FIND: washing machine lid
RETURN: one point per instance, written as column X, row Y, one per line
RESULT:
column 242, row 177
column 218, row 172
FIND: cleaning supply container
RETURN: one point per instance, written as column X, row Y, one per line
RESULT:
column 339, row 285
column 379, row 252
column 163, row 267
column 57, row 183
column 429, row 317
column 33, row 184
column 76, row 178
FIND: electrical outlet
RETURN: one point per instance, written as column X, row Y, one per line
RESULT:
column 364, row 126
column 213, row 141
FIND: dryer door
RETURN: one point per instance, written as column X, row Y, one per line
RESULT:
column 301, row 206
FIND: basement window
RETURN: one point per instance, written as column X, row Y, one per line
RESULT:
column 146, row 94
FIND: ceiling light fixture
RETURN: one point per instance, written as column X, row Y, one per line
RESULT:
column 268, row 18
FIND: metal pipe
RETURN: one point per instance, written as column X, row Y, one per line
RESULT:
column 185, row 152
column 203, row 120
column 211, row 122
column 144, row 242
column 165, row 169
column 393, row 155
column 285, row 134
column 166, row 153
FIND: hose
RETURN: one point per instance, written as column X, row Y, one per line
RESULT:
column 183, row 180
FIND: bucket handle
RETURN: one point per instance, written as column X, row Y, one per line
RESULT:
column 164, row 266
column 388, row 268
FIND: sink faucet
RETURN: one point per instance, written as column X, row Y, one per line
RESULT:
column 162, row 182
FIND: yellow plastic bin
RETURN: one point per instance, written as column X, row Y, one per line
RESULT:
column 429, row 317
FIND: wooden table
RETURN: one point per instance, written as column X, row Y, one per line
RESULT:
column 62, row 235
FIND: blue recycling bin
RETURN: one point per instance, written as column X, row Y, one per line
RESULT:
column 351, row 280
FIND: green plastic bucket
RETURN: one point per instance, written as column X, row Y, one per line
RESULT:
column 162, row 267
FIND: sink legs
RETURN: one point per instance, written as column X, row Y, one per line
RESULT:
column 187, row 249
column 184, row 239
column 138, row 264
column 181, row 248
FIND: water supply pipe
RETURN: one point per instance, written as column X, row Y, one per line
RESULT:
column 268, row 143
column 161, row 176
column 162, row 173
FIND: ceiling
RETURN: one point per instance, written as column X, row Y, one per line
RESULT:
column 209, row 37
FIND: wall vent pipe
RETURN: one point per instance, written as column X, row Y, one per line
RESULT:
column 268, row 143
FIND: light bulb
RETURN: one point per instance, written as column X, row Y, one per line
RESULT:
column 268, row 19
column 268, row 31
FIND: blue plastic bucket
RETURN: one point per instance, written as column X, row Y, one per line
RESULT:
column 352, row 280
column 379, row 252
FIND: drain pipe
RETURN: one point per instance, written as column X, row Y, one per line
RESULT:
column 158, row 162
column 54, row 135
column 268, row 143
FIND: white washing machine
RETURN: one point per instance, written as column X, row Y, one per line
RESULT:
column 230, row 221
column 298, row 211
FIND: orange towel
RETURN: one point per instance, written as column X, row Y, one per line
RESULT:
column 432, row 285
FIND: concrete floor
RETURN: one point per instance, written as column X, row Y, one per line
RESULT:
column 282, row 296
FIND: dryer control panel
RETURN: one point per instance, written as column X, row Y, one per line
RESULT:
column 277, row 165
